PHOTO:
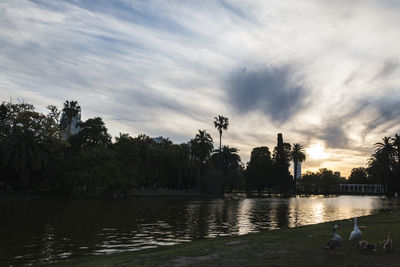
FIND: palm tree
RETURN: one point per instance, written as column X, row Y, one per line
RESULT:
column 227, row 158
column 202, row 145
column 377, row 166
column 221, row 123
column 228, row 161
column 200, row 148
column 396, row 147
column 230, row 156
column 298, row 156
column 71, row 109
column 384, row 158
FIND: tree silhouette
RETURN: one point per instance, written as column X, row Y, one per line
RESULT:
column 29, row 144
column 93, row 132
column 259, row 171
column 228, row 161
column 221, row 123
column 202, row 145
column 230, row 156
column 382, row 161
column 358, row 176
column 396, row 147
column 282, row 158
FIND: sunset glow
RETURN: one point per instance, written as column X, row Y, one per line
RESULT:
column 317, row 151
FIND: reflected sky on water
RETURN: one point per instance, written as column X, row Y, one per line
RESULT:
column 47, row 230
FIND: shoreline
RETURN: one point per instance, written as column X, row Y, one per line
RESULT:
column 161, row 193
column 299, row 246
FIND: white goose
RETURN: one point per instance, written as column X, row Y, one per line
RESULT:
column 336, row 240
column 355, row 235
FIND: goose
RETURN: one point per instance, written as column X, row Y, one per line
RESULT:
column 370, row 248
column 355, row 235
column 387, row 244
column 364, row 245
column 336, row 240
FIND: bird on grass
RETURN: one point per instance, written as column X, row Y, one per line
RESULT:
column 364, row 245
column 336, row 240
column 387, row 244
column 356, row 234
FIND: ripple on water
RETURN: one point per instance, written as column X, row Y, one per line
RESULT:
column 81, row 227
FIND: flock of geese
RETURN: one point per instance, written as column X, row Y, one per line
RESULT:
column 355, row 236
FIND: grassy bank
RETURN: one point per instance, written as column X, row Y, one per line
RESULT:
column 286, row 247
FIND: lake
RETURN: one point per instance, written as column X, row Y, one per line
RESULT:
column 34, row 231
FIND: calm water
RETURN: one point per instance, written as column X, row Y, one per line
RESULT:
column 46, row 230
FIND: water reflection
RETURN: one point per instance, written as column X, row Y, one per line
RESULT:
column 46, row 230
column 244, row 224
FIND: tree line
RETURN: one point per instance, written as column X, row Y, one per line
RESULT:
column 384, row 164
column 53, row 153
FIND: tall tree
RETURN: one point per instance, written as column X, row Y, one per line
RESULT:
column 29, row 143
column 202, row 145
column 221, row 123
column 228, row 161
column 229, row 158
column 259, row 171
column 282, row 158
column 127, row 152
column 71, row 109
column 383, row 159
column 298, row 156
column 396, row 147
column 93, row 132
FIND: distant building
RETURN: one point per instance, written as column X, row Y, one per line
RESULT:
column 298, row 174
column 74, row 129
column 337, row 174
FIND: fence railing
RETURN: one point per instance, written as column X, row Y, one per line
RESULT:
column 362, row 188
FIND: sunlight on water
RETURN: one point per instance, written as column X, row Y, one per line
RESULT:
column 79, row 228
column 244, row 221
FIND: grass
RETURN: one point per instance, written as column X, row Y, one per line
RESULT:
column 301, row 246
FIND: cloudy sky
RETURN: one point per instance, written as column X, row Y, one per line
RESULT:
column 324, row 73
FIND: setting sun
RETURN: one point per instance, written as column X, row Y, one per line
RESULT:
column 317, row 151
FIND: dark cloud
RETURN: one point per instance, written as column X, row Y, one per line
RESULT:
column 387, row 113
column 389, row 66
column 334, row 128
column 350, row 78
column 269, row 89
column 334, row 135
column 141, row 105
column 236, row 10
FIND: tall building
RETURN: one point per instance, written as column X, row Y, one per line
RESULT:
column 74, row 128
column 298, row 174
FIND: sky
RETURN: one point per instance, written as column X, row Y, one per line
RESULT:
column 323, row 73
